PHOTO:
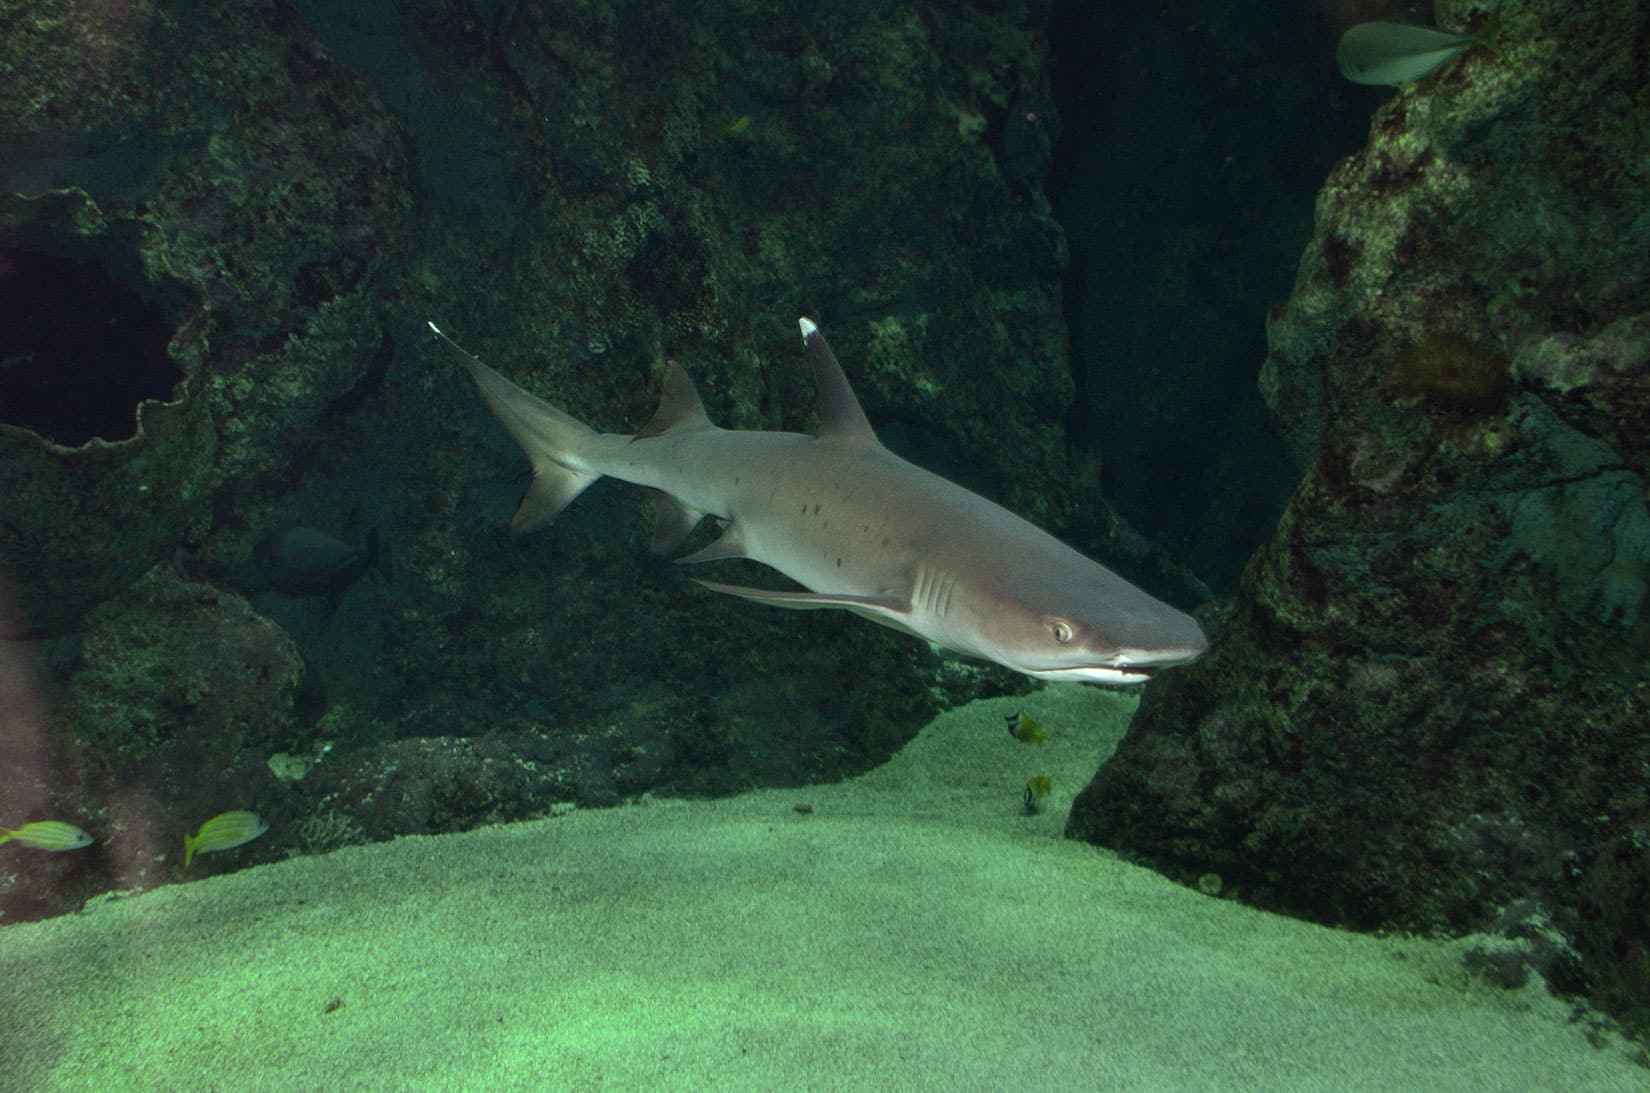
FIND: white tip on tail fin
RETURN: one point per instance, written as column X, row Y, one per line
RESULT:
column 550, row 439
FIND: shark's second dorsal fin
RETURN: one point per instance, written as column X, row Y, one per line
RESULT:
column 679, row 406
column 840, row 416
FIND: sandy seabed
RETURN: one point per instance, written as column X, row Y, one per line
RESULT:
column 910, row 929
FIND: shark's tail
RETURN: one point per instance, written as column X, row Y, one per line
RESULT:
column 550, row 438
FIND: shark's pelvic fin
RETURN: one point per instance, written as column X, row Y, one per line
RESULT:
column 729, row 545
column 672, row 522
column 840, row 415
column 550, row 438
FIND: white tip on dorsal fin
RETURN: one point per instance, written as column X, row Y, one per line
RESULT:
column 679, row 406
column 840, row 416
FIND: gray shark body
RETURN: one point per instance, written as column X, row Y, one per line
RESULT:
column 858, row 527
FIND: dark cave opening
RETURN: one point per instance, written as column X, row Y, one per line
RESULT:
column 78, row 349
column 1194, row 138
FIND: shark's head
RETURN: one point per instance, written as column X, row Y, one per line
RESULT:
column 1078, row 622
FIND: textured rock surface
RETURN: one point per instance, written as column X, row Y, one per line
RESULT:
column 101, row 478
column 177, row 694
column 1428, row 706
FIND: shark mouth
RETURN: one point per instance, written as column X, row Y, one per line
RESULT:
column 1113, row 675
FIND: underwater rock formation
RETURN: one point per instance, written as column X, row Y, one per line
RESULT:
column 176, row 695
column 106, row 439
column 1427, row 708
column 581, row 190
column 211, row 161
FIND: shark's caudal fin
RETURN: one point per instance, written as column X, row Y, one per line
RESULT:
column 550, row 438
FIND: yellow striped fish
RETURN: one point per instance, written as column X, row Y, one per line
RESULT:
column 225, row 831
column 47, row 835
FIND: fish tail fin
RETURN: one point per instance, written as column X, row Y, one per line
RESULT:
column 378, row 557
column 7, row 834
column 551, row 440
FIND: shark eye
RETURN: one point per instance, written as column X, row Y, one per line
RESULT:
column 1062, row 631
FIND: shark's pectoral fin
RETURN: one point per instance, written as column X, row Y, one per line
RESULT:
column 886, row 608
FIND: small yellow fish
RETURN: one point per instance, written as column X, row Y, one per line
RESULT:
column 1036, row 789
column 1022, row 728
column 47, row 835
column 224, row 831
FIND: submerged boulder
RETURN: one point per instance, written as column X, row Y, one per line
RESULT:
column 1427, row 709
column 106, row 440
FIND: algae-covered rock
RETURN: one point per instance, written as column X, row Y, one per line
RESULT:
column 180, row 667
column 1428, row 703
column 173, row 699
column 106, row 439
column 274, row 180
column 579, row 192
column 212, row 161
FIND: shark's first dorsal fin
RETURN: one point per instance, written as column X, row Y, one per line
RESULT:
column 840, row 416
column 679, row 406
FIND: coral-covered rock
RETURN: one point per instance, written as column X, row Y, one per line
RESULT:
column 1430, row 699
column 596, row 187
column 177, row 698
column 188, row 669
column 106, row 438
column 274, row 182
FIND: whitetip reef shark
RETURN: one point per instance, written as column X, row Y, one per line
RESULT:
column 857, row 526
